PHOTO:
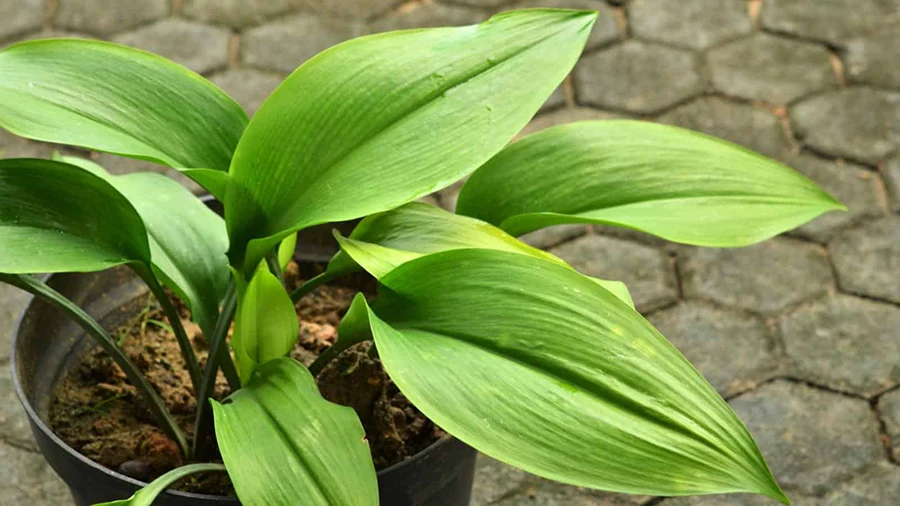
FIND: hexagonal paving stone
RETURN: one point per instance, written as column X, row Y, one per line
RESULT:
column 697, row 24
column 13, row 420
column 104, row 17
column 495, row 480
column 880, row 484
column 738, row 500
column 563, row 116
column 552, row 236
column 889, row 404
column 766, row 277
column 248, row 86
column 541, row 492
column 20, row 16
column 25, row 478
column 120, row 165
column 637, row 77
column 12, row 146
column 873, row 59
column 753, row 127
column 49, row 34
column 827, row 20
column 646, row 271
column 200, row 48
column 482, row 3
column 855, row 186
column 357, row 9
column 811, row 439
column 12, row 302
column 867, row 259
column 771, row 69
column 891, row 175
column 857, row 123
column 427, row 15
column 285, row 44
column 236, row 13
column 731, row 349
column 845, row 343
column 605, row 28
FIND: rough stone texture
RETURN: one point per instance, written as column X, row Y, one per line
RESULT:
column 697, row 24
column 552, row 236
column 48, row 34
column 418, row 15
column 873, row 59
column 26, row 479
column 811, row 439
column 564, row 116
column 880, row 484
column 767, row 277
column 646, row 271
column 857, row 123
column 13, row 421
column 201, row 48
column 120, row 165
column 357, row 9
column 236, row 13
column 855, row 186
column 889, row 404
column 556, row 99
column 448, row 196
column 495, row 480
column 753, row 127
column 105, row 17
column 547, row 493
column 605, row 29
column 20, row 16
column 17, row 147
column 867, row 259
column 248, row 86
column 12, row 302
column 737, row 500
column 731, row 349
column 285, row 44
column 892, row 181
column 637, row 77
column 845, row 343
column 827, row 20
column 771, row 69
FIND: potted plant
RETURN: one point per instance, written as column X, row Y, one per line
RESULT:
column 504, row 346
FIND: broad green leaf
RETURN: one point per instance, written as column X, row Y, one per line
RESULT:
column 284, row 444
column 147, row 495
column 383, row 241
column 537, row 366
column 120, row 100
column 187, row 240
column 265, row 324
column 674, row 183
column 58, row 218
column 382, row 120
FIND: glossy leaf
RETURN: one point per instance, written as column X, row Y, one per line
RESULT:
column 382, row 120
column 57, row 218
column 147, row 495
column 284, row 444
column 117, row 99
column 537, row 366
column 677, row 184
column 286, row 250
column 265, row 324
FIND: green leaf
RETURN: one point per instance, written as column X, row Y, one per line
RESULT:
column 147, row 495
column 265, row 324
column 383, row 241
column 284, row 444
column 382, row 120
column 57, row 218
column 539, row 367
column 187, row 240
column 680, row 185
column 112, row 98
column 286, row 250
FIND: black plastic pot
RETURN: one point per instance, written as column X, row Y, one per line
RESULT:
column 47, row 344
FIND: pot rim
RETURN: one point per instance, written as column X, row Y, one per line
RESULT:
column 37, row 422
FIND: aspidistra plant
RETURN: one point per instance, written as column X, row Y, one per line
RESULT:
column 503, row 345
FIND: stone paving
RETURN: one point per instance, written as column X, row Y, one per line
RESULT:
column 799, row 333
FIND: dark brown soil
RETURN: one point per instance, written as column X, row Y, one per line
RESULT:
column 98, row 413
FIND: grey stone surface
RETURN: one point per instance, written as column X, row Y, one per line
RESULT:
column 17, row 147
column 737, row 500
column 855, row 186
column 495, row 481
column 120, row 165
column 873, row 59
column 12, row 302
column 889, row 405
column 731, row 349
column 13, row 420
column 645, row 270
column 236, row 13
column 448, row 196
column 857, row 123
column 697, row 24
column 563, row 116
column 880, row 484
column 427, row 15
column 605, row 28
column 753, row 127
column 811, row 439
column 21, row 16
column 867, row 259
column 201, row 48
column 285, row 44
column 891, row 175
column 26, row 479
column 48, row 34
column 767, row 277
column 356, row 9
column 771, row 69
column 637, row 77
column 827, row 20
column 551, row 236
column 248, row 86
column 105, row 17
column 547, row 493
column 845, row 343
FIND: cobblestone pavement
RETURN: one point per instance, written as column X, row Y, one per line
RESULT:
column 799, row 333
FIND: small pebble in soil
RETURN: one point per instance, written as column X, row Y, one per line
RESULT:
column 137, row 469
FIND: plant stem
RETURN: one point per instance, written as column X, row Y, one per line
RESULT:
column 328, row 355
column 218, row 355
column 190, row 359
column 146, row 391
column 311, row 284
column 274, row 266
